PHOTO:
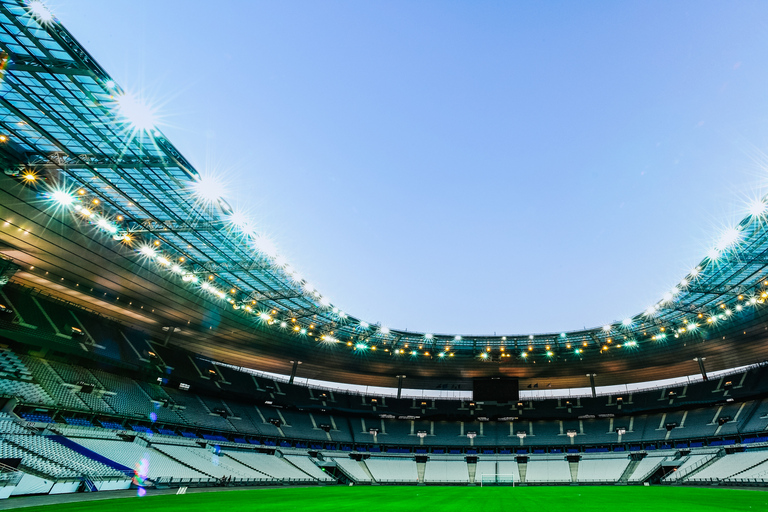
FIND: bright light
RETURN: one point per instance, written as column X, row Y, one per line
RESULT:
column 650, row 311
column 208, row 188
column 607, row 328
column 265, row 246
column 30, row 176
column 135, row 112
column 325, row 302
column 239, row 219
column 428, row 336
column 713, row 254
column 361, row 346
column 364, row 325
column 668, row 297
column 147, row 251
column 309, row 288
column 457, row 338
column 385, row 330
column 728, row 238
column 265, row 317
column 40, row 11
column 106, row 226
column 757, row 208
column 62, row 197
column 626, row 322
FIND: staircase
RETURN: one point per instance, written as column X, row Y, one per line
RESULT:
column 231, row 455
column 368, row 472
column 574, row 467
column 420, row 468
column 158, row 448
column 472, row 468
column 698, row 468
column 624, row 478
column 523, row 468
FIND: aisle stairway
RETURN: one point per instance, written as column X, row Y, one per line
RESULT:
column 523, row 468
column 420, row 468
column 624, row 478
column 574, row 467
column 368, row 472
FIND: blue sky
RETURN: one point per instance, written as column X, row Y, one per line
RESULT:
column 463, row 167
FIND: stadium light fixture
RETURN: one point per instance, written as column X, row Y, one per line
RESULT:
column 106, row 225
column 384, row 330
column 62, row 197
column 729, row 237
column 267, row 247
column 40, row 11
column 428, row 336
column 626, row 322
column 758, row 208
column 138, row 114
column 238, row 219
column 208, row 188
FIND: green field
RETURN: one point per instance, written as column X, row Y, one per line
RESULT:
column 439, row 499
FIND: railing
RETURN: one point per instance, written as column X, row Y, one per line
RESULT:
column 237, row 482
column 9, row 475
column 679, row 475
column 466, row 394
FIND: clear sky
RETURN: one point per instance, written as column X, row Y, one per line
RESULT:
column 463, row 167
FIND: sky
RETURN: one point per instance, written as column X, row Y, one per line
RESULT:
column 471, row 167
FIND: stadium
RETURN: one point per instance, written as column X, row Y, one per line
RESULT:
column 155, row 347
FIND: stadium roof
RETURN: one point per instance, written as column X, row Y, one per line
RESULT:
column 100, row 208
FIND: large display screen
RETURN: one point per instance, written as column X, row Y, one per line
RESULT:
column 501, row 390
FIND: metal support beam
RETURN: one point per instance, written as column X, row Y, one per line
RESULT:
column 592, row 383
column 400, row 385
column 293, row 370
column 703, row 371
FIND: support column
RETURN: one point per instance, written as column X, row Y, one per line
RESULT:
column 293, row 371
column 592, row 383
column 400, row 385
column 701, row 360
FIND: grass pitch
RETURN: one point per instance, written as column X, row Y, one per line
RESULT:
column 440, row 499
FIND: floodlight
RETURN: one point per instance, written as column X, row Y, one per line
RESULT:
column 757, row 208
column 626, row 322
column 364, row 325
column 428, row 336
column 239, row 219
column 728, row 238
column 135, row 112
column 385, row 330
column 208, row 188
column 62, row 197
column 40, row 11
column 265, row 246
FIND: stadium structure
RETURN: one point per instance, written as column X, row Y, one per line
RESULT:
column 150, row 338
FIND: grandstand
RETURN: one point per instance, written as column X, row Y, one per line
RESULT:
column 113, row 376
